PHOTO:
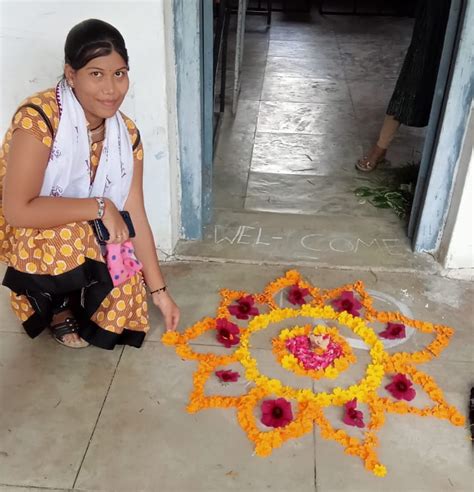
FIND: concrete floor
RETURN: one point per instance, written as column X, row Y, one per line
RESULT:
column 314, row 94
column 98, row 420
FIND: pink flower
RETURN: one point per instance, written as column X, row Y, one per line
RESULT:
column 227, row 333
column 347, row 302
column 393, row 331
column 297, row 295
column 244, row 308
column 228, row 376
column 401, row 388
column 351, row 415
column 300, row 346
column 276, row 413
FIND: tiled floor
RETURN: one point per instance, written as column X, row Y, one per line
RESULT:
column 94, row 420
column 313, row 97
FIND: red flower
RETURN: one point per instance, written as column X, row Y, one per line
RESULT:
column 228, row 376
column 297, row 295
column 401, row 388
column 347, row 302
column 227, row 333
column 393, row 331
column 351, row 415
column 276, row 413
column 244, row 308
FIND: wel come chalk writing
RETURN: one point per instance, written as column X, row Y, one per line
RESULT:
column 308, row 245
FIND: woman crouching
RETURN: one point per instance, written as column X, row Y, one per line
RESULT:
column 73, row 227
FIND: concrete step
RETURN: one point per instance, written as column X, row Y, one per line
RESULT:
column 366, row 243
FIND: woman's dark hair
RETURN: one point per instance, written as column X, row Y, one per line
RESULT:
column 90, row 39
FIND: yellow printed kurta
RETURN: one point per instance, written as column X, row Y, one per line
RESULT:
column 67, row 254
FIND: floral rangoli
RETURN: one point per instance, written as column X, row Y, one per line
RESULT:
column 271, row 412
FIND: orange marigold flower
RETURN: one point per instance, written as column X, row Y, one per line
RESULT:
column 370, row 463
column 422, row 356
column 170, row 337
column 457, row 419
column 441, row 412
column 263, row 449
column 436, row 394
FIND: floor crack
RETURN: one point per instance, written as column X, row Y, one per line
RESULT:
column 98, row 418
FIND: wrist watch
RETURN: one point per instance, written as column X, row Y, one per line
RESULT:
column 101, row 209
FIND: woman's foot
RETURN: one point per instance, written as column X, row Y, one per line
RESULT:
column 64, row 328
column 370, row 162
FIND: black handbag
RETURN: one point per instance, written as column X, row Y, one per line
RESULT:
column 103, row 234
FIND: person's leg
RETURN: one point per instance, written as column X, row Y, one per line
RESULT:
column 66, row 255
column 387, row 133
column 378, row 151
column 63, row 318
column 122, row 316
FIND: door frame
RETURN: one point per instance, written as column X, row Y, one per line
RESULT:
column 193, row 65
column 448, row 120
column 207, row 104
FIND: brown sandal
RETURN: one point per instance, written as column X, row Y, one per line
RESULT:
column 67, row 327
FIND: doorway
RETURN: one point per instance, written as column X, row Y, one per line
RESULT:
column 313, row 94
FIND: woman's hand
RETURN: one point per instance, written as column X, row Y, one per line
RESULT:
column 114, row 223
column 168, row 308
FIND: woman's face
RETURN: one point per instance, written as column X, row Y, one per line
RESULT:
column 100, row 86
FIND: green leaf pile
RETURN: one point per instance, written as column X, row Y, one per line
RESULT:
column 396, row 192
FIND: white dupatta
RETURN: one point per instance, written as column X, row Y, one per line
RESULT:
column 68, row 173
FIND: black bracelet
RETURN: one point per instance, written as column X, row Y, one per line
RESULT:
column 162, row 289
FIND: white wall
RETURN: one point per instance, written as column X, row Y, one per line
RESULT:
column 32, row 36
column 460, row 252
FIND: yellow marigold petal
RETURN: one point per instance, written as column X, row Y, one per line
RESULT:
column 379, row 471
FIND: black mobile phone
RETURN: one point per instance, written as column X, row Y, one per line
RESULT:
column 103, row 234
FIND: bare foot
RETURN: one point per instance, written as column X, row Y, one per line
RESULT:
column 372, row 160
column 70, row 339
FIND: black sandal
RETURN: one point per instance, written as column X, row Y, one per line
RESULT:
column 67, row 327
